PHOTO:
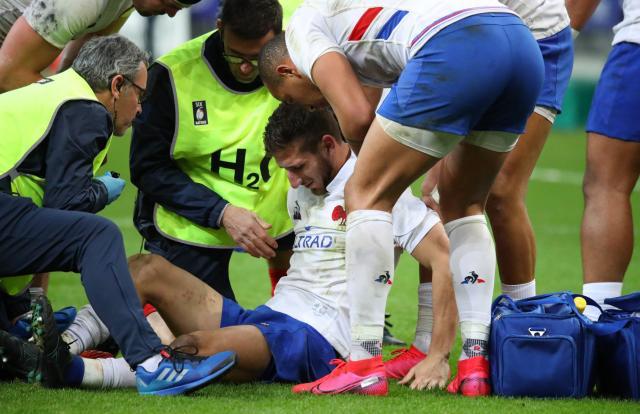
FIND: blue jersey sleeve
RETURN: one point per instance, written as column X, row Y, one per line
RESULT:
column 79, row 132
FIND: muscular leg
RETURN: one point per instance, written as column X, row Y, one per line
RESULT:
column 370, row 195
column 606, row 236
column 193, row 310
column 252, row 352
column 186, row 303
column 506, row 206
column 384, row 169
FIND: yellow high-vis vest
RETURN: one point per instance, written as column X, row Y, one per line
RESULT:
column 218, row 143
column 26, row 116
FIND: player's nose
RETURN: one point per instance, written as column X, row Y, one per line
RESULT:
column 246, row 68
column 294, row 180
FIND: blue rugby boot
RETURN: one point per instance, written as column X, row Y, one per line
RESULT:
column 183, row 373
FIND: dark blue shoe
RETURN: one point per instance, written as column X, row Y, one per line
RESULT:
column 181, row 373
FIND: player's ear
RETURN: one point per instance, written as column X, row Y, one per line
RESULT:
column 117, row 82
column 284, row 70
column 328, row 142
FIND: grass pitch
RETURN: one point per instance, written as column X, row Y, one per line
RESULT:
column 555, row 206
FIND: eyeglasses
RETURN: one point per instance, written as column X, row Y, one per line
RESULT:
column 141, row 91
column 238, row 60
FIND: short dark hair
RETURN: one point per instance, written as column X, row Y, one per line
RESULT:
column 293, row 122
column 252, row 19
column 271, row 55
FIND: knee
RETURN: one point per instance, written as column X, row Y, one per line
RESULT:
column 146, row 270
column 362, row 194
column 351, row 195
column 186, row 343
column 506, row 195
column 103, row 226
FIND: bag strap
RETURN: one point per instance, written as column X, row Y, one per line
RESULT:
column 600, row 328
column 628, row 303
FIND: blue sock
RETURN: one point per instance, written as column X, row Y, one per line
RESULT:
column 74, row 372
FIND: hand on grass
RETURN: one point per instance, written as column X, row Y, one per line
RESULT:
column 432, row 372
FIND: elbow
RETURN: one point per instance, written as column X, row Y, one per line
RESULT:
column 357, row 125
column 5, row 81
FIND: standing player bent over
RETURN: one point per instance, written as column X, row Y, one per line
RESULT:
column 459, row 87
column 506, row 206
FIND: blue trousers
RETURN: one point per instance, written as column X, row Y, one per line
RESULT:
column 36, row 240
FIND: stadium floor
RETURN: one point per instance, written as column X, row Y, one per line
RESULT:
column 555, row 205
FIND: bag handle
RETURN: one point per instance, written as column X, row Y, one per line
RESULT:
column 599, row 328
column 628, row 303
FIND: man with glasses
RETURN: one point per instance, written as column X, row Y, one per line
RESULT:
column 55, row 133
column 34, row 33
column 206, row 185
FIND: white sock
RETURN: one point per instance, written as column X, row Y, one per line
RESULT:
column 424, row 325
column 117, row 373
column 93, row 374
column 86, row 331
column 108, row 373
column 475, row 340
column 520, row 291
column 600, row 291
column 369, row 260
column 473, row 265
column 151, row 364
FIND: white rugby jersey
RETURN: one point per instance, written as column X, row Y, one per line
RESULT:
column 544, row 17
column 377, row 36
column 628, row 30
column 60, row 21
column 315, row 288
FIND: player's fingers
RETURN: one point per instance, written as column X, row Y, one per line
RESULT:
column 262, row 248
column 248, row 247
column 417, row 385
column 264, row 238
column 263, row 223
column 407, row 378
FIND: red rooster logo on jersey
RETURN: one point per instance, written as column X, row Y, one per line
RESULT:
column 339, row 213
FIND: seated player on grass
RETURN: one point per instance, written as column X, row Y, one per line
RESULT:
column 295, row 336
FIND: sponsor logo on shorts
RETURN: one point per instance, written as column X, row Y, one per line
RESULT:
column 472, row 279
column 385, row 279
column 200, row 113
column 44, row 80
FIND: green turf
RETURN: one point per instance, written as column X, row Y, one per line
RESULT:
column 556, row 211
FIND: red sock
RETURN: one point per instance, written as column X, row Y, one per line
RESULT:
column 365, row 365
column 148, row 309
column 275, row 275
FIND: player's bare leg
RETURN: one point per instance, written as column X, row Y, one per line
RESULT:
column 507, row 211
column 185, row 303
column 252, row 352
column 192, row 310
column 612, row 171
